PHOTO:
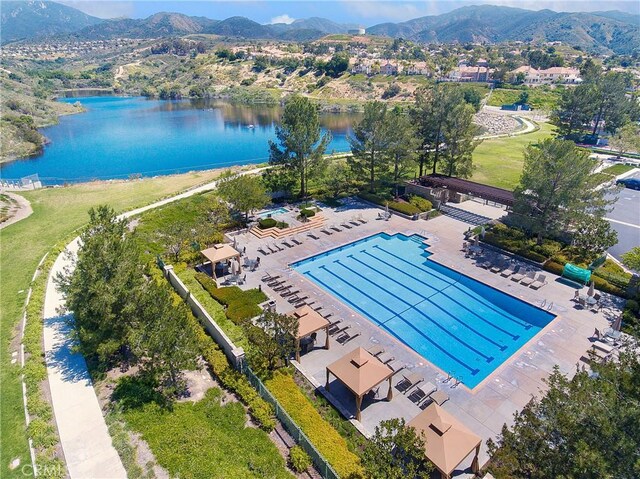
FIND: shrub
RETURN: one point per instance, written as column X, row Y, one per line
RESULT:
column 605, row 286
column 402, row 207
column 300, row 460
column 632, row 305
column 420, row 202
column 307, row 213
column 553, row 267
column 532, row 255
column 240, row 304
column 265, row 223
column 323, row 436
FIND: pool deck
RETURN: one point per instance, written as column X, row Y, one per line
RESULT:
column 494, row 401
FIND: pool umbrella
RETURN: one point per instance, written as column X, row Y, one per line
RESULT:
column 591, row 289
column 235, row 242
column 482, row 232
column 386, row 209
column 617, row 323
column 234, row 267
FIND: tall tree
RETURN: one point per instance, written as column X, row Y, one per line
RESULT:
column 583, row 427
column 575, row 109
column 245, row 192
column 370, row 143
column 272, row 339
column 301, row 145
column 101, row 292
column 557, row 188
column 631, row 259
column 610, row 102
column 433, row 108
column 457, row 135
column 396, row 451
column 402, row 146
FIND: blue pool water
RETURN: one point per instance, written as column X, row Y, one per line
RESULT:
column 273, row 212
column 122, row 136
column 462, row 326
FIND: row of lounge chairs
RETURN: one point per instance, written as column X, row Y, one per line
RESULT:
column 275, row 247
column 345, row 225
column 424, row 393
column 517, row 273
column 285, row 289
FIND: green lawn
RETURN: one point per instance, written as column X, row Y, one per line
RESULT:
column 540, row 98
column 498, row 161
column 57, row 212
column 206, row 440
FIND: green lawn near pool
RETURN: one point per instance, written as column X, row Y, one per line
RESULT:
column 498, row 161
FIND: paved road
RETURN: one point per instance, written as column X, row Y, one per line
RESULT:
column 625, row 219
column 84, row 436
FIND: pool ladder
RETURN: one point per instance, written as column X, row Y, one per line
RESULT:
column 545, row 306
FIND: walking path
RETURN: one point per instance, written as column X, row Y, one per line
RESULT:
column 19, row 211
column 84, row 436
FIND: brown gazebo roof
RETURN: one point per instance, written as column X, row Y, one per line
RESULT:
column 309, row 321
column 360, row 371
column 447, row 440
column 220, row 252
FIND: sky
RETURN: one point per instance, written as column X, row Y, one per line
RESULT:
column 362, row 12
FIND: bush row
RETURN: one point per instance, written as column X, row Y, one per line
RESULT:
column 240, row 304
column 266, row 223
column 307, row 213
column 599, row 283
column 401, row 207
column 322, row 434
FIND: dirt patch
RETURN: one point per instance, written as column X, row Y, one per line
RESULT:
column 198, row 383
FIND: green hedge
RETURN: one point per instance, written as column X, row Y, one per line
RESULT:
column 422, row 203
column 240, row 304
column 307, row 213
column 400, row 206
column 323, row 436
column 266, row 223
column 553, row 267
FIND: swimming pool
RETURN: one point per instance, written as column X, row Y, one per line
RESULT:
column 273, row 212
column 461, row 325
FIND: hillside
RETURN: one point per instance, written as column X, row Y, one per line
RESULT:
column 602, row 31
column 28, row 19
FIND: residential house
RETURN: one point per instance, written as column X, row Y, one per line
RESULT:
column 533, row 76
column 468, row 74
column 389, row 69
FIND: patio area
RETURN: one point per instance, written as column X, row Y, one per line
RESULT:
column 485, row 408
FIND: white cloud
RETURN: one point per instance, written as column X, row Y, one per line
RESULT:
column 282, row 19
column 102, row 8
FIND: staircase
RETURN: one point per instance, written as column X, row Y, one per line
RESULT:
column 464, row 216
column 276, row 233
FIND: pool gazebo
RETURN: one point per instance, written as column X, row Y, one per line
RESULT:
column 219, row 253
column 447, row 441
column 309, row 321
column 360, row 372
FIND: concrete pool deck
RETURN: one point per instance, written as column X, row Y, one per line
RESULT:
column 494, row 401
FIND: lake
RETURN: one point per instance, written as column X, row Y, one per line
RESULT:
column 120, row 137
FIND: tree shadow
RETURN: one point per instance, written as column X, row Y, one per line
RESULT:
column 133, row 392
column 64, row 355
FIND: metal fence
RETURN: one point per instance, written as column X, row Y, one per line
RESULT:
column 321, row 464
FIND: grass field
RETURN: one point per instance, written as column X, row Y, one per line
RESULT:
column 539, row 98
column 498, row 162
column 57, row 212
column 206, row 440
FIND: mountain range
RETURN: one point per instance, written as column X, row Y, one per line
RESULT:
column 612, row 31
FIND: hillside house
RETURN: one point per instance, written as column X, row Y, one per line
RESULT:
column 468, row 74
column 533, row 76
column 389, row 69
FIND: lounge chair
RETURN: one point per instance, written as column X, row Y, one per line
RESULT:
column 361, row 219
column 529, row 278
column 335, row 228
column 346, row 225
column 486, row 263
column 602, row 346
column 422, row 391
column 517, row 276
column 354, row 221
column 326, row 231
column 496, row 268
column 272, row 248
column 396, row 366
column 263, row 251
column 509, row 271
column 276, row 283
column 375, row 350
column 313, row 236
column 540, row 281
column 267, row 278
column 439, row 397
column 281, row 287
column 287, row 244
column 598, row 304
column 297, row 299
column 345, row 336
column 385, row 357
column 408, row 381
column 337, row 328
column 296, row 240
column 289, row 292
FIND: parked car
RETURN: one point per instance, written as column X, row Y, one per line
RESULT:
column 633, row 183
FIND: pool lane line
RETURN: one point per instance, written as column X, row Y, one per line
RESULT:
column 514, row 337
column 410, row 306
column 473, row 371
column 486, row 302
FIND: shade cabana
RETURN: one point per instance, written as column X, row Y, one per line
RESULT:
column 360, row 372
column 309, row 321
column 219, row 253
column 447, row 441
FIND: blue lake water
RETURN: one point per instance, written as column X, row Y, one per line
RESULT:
column 118, row 137
column 463, row 326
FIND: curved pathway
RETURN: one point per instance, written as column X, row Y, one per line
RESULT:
column 23, row 210
column 85, row 439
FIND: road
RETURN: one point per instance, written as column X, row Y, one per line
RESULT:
column 625, row 219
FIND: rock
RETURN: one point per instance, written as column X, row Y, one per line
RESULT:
column 15, row 463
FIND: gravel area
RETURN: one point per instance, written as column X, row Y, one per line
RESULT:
column 495, row 124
